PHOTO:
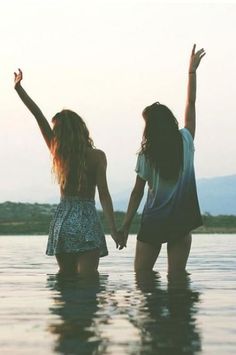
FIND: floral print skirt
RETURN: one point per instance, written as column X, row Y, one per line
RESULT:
column 76, row 228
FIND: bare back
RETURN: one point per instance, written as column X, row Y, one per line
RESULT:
column 87, row 190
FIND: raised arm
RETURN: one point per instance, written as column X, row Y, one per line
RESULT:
column 190, row 112
column 34, row 109
column 104, row 194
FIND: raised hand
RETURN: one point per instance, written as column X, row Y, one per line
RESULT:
column 195, row 59
column 18, row 77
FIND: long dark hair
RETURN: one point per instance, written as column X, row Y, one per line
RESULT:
column 70, row 143
column 162, row 142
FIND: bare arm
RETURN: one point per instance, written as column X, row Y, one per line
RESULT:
column 134, row 202
column 104, row 194
column 190, row 112
column 34, row 109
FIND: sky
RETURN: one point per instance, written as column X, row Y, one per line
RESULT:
column 107, row 60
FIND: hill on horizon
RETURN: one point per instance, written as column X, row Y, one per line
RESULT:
column 217, row 196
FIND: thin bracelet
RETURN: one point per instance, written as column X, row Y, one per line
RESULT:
column 192, row 72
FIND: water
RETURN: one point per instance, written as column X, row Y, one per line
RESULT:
column 116, row 313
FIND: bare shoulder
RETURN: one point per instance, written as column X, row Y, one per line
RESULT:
column 96, row 158
column 99, row 155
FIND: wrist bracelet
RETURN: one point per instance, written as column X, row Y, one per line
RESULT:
column 192, row 72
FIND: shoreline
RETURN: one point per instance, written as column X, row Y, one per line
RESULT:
column 34, row 219
column 200, row 230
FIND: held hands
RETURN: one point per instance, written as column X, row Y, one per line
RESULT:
column 18, row 78
column 122, row 238
column 195, row 59
column 115, row 237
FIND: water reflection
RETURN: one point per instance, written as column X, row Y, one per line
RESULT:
column 132, row 314
column 76, row 301
column 167, row 316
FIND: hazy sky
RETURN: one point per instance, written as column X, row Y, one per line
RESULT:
column 107, row 60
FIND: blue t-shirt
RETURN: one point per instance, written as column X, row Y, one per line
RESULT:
column 160, row 191
column 176, row 200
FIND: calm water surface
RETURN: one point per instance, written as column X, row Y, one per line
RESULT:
column 117, row 313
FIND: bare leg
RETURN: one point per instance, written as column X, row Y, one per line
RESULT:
column 178, row 253
column 88, row 262
column 146, row 256
column 68, row 263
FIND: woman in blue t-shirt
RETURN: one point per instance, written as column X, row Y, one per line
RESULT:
column 165, row 163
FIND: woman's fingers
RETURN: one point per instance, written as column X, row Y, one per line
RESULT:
column 193, row 50
column 18, row 76
column 122, row 239
column 197, row 56
column 20, row 72
column 202, row 55
column 201, row 51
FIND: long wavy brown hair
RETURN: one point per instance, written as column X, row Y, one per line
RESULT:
column 69, row 146
column 162, row 142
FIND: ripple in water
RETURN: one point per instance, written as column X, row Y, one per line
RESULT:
column 117, row 312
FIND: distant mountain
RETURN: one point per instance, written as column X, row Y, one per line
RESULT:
column 216, row 196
